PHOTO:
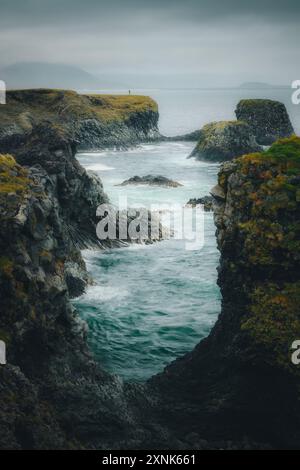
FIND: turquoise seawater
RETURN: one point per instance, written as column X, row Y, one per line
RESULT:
column 153, row 303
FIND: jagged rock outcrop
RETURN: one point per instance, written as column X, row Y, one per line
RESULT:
column 206, row 201
column 267, row 119
column 224, row 140
column 49, row 152
column 95, row 121
column 151, row 180
column 239, row 383
column 52, row 394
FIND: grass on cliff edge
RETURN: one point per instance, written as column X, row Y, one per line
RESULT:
column 271, row 205
column 25, row 106
column 259, row 104
column 285, row 153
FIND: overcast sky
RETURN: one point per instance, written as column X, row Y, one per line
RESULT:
column 224, row 41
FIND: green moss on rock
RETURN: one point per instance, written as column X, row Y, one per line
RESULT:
column 224, row 140
column 260, row 229
column 274, row 321
column 24, row 106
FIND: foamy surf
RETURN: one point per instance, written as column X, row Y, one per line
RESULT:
column 98, row 293
column 99, row 167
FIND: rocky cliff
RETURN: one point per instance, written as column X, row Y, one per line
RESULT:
column 268, row 119
column 239, row 383
column 94, row 121
column 52, row 394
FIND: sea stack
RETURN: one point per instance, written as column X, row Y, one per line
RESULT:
column 267, row 119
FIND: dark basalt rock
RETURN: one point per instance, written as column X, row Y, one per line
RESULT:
column 267, row 119
column 151, row 180
column 224, row 140
column 52, row 393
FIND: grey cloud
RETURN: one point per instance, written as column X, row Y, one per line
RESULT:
column 233, row 39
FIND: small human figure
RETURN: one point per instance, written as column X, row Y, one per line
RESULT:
column 129, row 92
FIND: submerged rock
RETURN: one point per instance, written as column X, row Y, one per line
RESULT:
column 151, row 180
column 224, row 140
column 267, row 119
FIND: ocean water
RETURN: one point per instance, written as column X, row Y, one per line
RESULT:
column 183, row 111
column 153, row 303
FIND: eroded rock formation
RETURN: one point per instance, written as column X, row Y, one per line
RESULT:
column 224, row 140
column 267, row 119
column 239, row 383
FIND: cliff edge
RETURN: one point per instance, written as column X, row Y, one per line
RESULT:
column 95, row 121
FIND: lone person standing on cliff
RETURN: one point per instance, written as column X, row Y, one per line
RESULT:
column 129, row 92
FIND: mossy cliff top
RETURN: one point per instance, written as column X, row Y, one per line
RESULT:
column 41, row 104
column 259, row 102
column 259, row 238
column 95, row 121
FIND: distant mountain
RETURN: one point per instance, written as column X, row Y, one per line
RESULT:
column 51, row 75
column 258, row 85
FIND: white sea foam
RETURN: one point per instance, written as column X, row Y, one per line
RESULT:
column 96, row 294
column 99, row 167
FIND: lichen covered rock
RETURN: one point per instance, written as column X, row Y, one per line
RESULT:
column 267, row 119
column 263, row 207
column 240, row 380
column 224, row 140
